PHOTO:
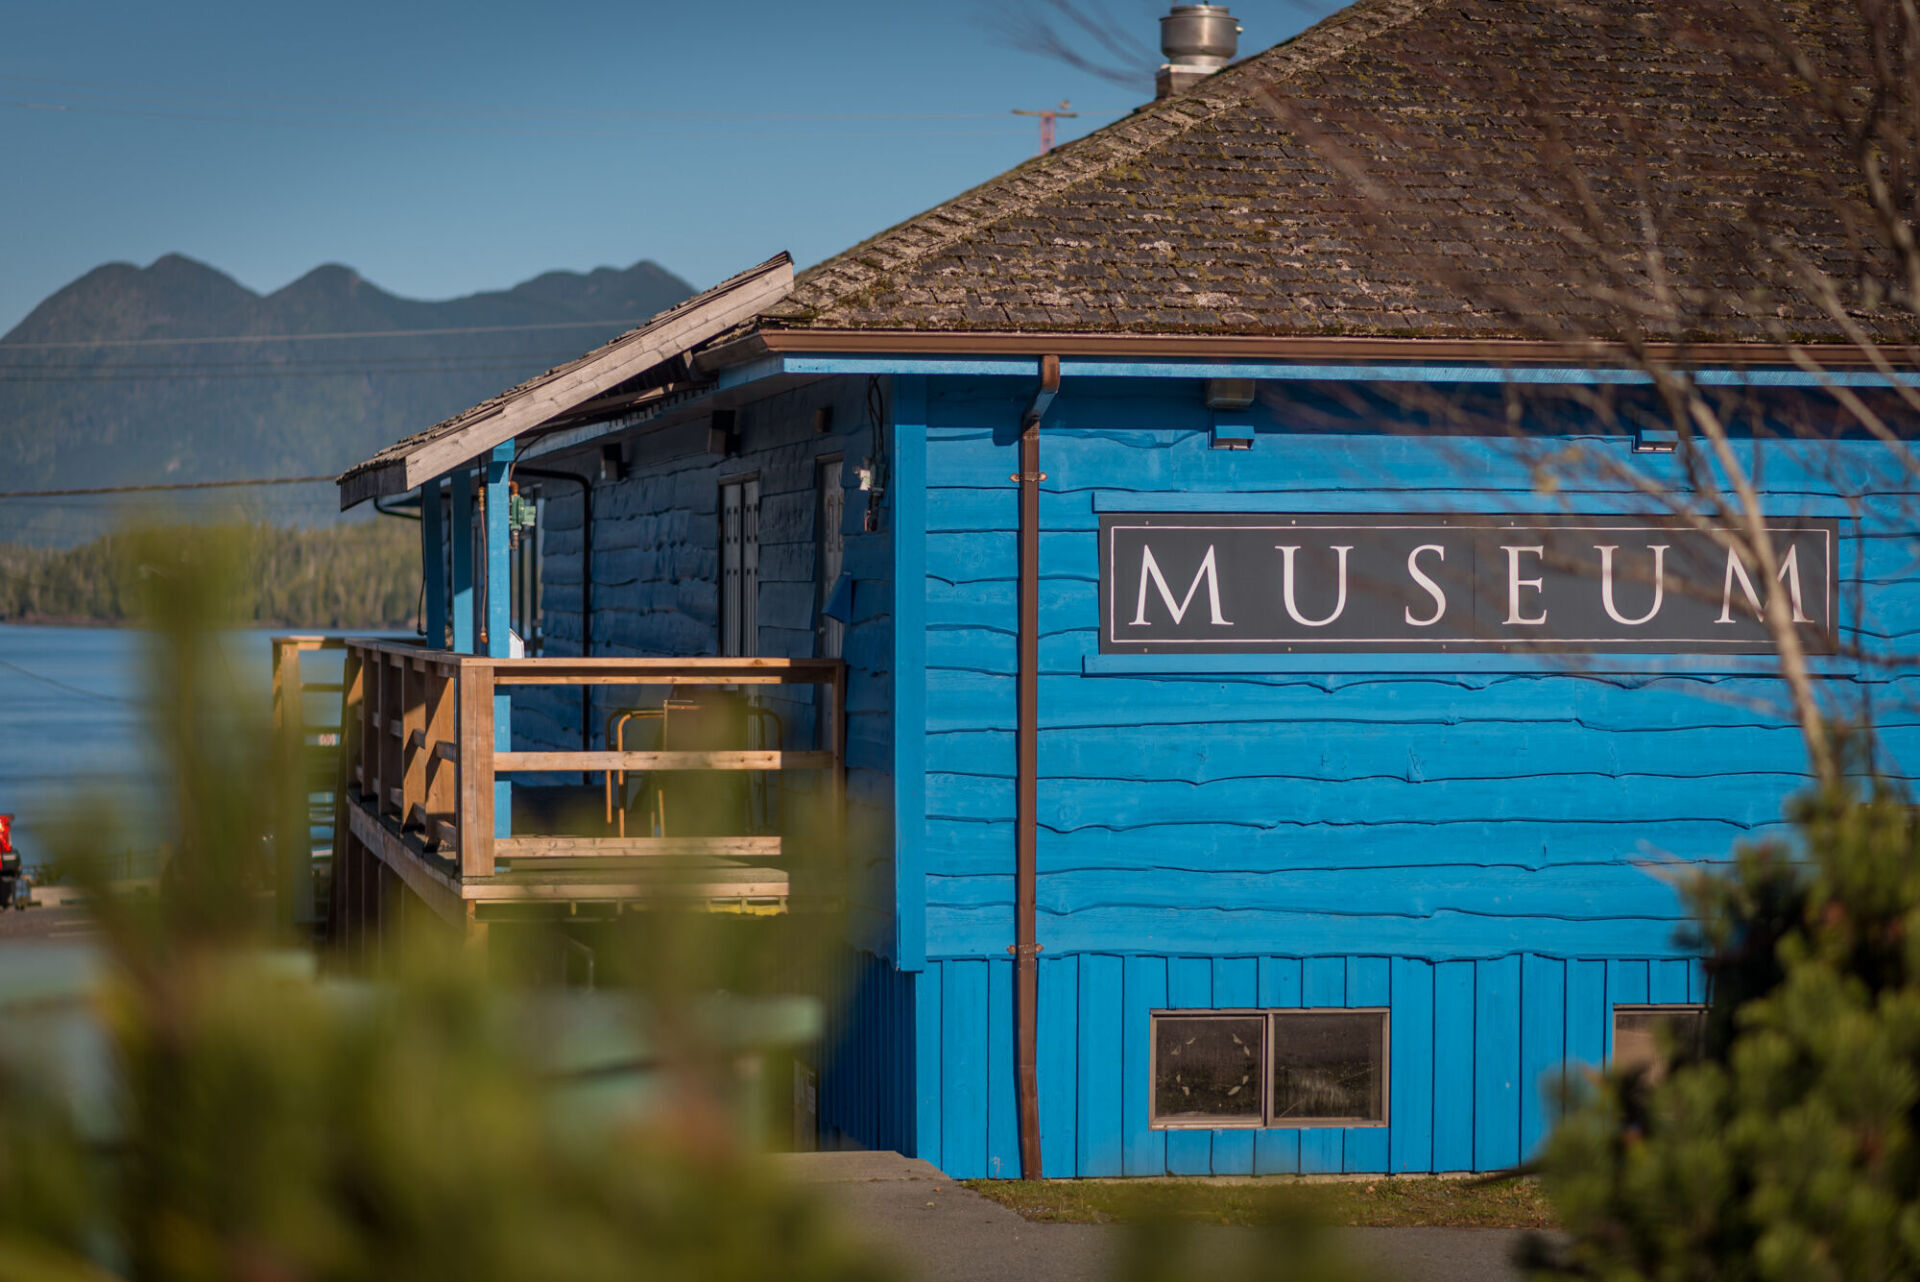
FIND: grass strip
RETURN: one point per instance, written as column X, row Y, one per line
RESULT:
column 1386, row 1202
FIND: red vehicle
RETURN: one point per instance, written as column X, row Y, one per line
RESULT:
column 13, row 891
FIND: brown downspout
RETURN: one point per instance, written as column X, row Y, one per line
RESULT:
column 1026, row 948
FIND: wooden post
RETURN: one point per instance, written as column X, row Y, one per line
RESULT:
column 367, row 880
column 372, row 672
column 415, row 753
column 476, row 934
column 340, row 907
column 290, row 844
column 442, row 727
column 393, row 673
column 460, row 532
column 476, row 781
column 433, row 564
column 352, row 702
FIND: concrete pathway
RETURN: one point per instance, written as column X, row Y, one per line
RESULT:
column 941, row 1231
column 45, row 923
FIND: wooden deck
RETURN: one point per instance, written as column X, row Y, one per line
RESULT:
column 415, row 827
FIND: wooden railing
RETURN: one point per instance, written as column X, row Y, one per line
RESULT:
column 312, row 743
column 420, row 729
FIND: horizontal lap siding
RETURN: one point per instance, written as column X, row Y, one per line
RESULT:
column 1479, row 1052
column 1424, row 814
column 655, row 573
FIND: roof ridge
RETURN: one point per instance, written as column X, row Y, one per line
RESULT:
column 1019, row 189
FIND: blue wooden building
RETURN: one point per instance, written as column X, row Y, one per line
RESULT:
column 1181, row 510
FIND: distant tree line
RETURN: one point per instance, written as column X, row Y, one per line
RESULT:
column 362, row 574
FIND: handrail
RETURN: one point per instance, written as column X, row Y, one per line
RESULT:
column 293, row 846
column 418, row 727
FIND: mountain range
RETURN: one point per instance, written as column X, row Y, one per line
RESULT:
column 132, row 376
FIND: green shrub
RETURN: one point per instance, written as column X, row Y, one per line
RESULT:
column 1786, row 1149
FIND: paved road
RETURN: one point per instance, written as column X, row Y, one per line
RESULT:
column 45, row 924
column 942, row 1231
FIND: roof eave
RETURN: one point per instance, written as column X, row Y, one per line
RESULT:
column 1284, row 347
column 466, row 436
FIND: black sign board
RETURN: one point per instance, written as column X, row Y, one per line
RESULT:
column 1213, row 583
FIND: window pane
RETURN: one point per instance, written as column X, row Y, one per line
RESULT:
column 1329, row 1065
column 1646, row 1038
column 1207, row 1067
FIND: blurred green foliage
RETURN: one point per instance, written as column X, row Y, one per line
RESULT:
column 358, row 574
column 412, row 1122
column 1787, row 1148
column 266, row 1126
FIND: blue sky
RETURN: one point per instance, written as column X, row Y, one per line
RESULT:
column 445, row 148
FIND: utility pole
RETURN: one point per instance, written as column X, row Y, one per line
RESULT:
column 1047, row 118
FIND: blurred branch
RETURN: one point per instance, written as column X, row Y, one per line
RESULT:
column 1086, row 38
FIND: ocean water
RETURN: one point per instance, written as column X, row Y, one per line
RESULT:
column 75, row 735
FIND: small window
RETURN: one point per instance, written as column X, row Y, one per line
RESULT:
column 1208, row 1068
column 1329, row 1066
column 1649, row 1037
column 1270, row 1068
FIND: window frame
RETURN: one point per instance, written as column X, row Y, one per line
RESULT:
column 1271, row 1017
column 1207, row 1123
column 742, row 615
column 1699, row 1009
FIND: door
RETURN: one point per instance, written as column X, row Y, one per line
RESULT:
column 739, row 565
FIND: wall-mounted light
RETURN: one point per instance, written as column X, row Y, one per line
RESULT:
column 1229, row 399
column 723, row 434
column 1232, row 432
column 823, row 420
column 1655, row 440
column 613, row 462
column 1229, row 393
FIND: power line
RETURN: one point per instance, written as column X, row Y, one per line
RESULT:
column 223, row 376
column 303, row 338
column 61, row 685
column 388, row 106
column 178, row 485
column 63, row 108
column 356, row 362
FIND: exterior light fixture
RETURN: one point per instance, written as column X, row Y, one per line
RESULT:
column 1655, row 440
column 1230, row 393
column 613, row 462
column 1229, row 399
column 1232, row 433
column 723, row 433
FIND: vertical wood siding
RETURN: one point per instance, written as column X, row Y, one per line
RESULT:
column 869, row 1059
column 1479, row 1053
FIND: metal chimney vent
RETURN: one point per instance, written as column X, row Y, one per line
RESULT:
column 1198, row 40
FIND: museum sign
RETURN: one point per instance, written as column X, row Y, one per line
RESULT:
column 1276, row 584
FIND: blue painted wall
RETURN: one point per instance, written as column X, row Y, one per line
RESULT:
column 1470, row 849
column 1479, row 1049
column 1413, row 811
column 1465, row 847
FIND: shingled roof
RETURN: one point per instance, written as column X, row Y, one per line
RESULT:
column 1560, row 170
column 1420, row 168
